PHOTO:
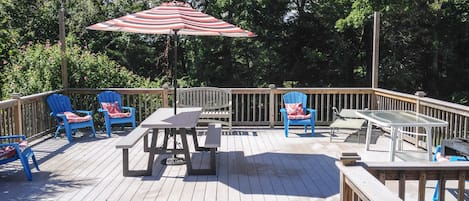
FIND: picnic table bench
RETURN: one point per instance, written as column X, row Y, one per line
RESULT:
column 211, row 143
column 215, row 102
column 128, row 142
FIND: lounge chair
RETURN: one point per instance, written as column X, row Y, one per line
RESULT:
column 346, row 119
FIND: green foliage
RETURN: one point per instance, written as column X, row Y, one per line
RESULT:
column 37, row 69
column 311, row 43
column 359, row 12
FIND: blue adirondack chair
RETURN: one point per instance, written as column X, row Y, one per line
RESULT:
column 297, row 97
column 451, row 158
column 23, row 156
column 59, row 104
column 112, row 97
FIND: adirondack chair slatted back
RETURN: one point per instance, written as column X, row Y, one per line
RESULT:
column 296, row 97
column 58, row 104
column 109, row 97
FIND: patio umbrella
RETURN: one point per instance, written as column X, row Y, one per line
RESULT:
column 172, row 18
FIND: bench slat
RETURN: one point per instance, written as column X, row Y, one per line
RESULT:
column 216, row 103
column 132, row 138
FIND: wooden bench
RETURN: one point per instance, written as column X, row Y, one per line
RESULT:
column 215, row 103
column 212, row 142
column 128, row 142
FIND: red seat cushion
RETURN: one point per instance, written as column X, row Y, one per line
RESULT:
column 299, row 116
column 294, row 108
column 111, row 107
column 114, row 110
column 9, row 151
column 74, row 118
column 295, row 111
column 119, row 115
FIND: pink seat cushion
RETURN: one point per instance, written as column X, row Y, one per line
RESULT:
column 114, row 110
column 9, row 151
column 74, row 118
column 111, row 107
column 299, row 116
column 294, row 109
column 119, row 115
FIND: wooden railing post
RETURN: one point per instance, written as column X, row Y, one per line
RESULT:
column 17, row 114
column 347, row 159
column 374, row 105
column 418, row 109
column 165, row 95
column 272, row 106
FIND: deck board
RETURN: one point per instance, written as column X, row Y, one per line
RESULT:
column 253, row 164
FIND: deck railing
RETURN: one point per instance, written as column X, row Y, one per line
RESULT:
column 29, row 115
column 367, row 180
column 251, row 106
column 456, row 115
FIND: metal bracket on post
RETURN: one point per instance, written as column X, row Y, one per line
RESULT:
column 349, row 158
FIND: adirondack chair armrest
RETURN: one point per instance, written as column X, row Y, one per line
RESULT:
column 104, row 111
column 13, row 136
column 284, row 113
column 130, row 109
column 14, row 144
column 83, row 112
column 312, row 112
column 62, row 116
column 283, row 110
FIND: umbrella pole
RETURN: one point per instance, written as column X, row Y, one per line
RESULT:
column 175, row 160
column 175, row 82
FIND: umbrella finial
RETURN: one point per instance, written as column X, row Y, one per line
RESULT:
column 176, row 3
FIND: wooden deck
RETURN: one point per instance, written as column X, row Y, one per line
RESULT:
column 253, row 164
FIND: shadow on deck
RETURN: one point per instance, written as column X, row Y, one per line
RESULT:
column 253, row 164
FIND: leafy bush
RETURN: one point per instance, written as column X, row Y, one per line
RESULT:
column 36, row 68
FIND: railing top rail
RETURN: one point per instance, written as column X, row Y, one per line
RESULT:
column 34, row 97
column 397, row 95
column 424, row 165
column 326, row 90
column 366, row 184
column 7, row 103
column 120, row 90
column 456, row 108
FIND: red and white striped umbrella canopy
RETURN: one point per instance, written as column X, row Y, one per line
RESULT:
column 170, row 18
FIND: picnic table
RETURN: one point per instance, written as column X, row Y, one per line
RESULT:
column 182, row 123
